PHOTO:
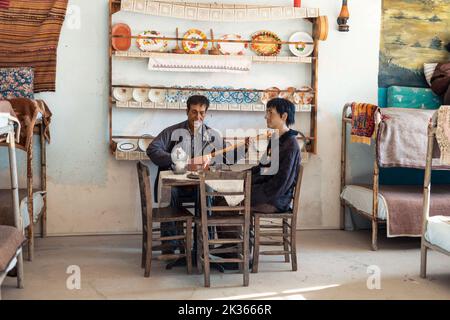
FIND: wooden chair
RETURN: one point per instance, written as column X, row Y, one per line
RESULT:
column 237, row 217
column 286, row 230
column 180, row 216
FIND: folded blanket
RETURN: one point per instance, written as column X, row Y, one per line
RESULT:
column 402, row 138
column 27, row 111
column 363, row 122
column 195, row 63
column 443, row 134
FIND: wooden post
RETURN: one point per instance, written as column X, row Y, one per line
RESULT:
column 426, row 197
column 343, row 162
column 30, row 201
column 43, row 180
column 376, row 174
column 314, row 85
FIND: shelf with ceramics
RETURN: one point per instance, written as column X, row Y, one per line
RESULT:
column 134, row 147
column 221, row 98
column 215, row 11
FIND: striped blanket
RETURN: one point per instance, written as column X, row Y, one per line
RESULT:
column 29, row 35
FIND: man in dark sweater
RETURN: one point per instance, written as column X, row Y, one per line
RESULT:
column 272, row 189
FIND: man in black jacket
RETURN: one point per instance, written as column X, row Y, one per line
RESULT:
column 272, row 189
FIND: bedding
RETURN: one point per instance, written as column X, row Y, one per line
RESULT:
column 438, row 232
column 400, row 205
column 6, row 212
column 11, row 239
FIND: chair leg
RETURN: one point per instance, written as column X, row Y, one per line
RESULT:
column 374, row 235
column 423, row 261
column 188, row 245
column 256, row 246
column 293, row 248
column 285, row 237
column 144, row 251
column 199, row 250
column 246, row 252
column 19, row 267
column 149, row 253
column 30, row 242
column 205, row 245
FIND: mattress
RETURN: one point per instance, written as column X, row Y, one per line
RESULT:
column 438, row 231
column 6, row 212
column 361, row 198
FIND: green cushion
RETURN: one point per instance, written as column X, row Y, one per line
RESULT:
column 408, row 97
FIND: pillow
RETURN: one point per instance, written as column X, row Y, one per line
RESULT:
column 428, row 70
column 16, row 83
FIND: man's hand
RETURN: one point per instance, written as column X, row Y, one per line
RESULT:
column 201, row 161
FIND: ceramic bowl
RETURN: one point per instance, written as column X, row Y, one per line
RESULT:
column 123, row 94
column 144, row 141
column 140, row 94
column 157, row 95
column 127, row 145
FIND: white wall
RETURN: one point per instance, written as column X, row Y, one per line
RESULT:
column 89, row 192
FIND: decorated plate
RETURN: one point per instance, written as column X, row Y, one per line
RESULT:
column 301, row 49
column 157, row 95
column 288, row 94
column 127, row 146
column 173, row 95
column 232, row 48
column 140, row 94
column 121, row 44
column 194, row 47
column 266, row 49
column 146, row 44
column 123, row 94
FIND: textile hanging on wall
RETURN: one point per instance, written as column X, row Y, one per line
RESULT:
column 443, row 134
column 413, row 32
column 363, row 122
column 29, row 35
column 4, row 4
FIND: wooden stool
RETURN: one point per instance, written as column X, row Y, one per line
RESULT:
column 181, row 217
column 286, row 230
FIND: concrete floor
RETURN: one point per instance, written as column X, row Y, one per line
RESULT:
column 332, row 265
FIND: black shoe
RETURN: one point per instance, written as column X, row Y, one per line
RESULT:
column 12, row 273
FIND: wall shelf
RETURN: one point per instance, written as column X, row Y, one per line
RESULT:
column 215, row 11
column 218, row 107
column 255, row 59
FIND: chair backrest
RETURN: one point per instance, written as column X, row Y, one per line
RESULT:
column 296, row 195
column 145, row 191
column 245, row 176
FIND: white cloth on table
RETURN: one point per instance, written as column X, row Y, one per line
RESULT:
column 217, row 185
column 7, row 116
column 199, row 63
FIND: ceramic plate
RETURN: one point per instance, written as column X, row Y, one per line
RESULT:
column 123, row 94
column 146, row 44
column 157, row 95
column 121, row 44
column 232, row 48
column 140, row 94
column 302, row 49
column 144, row 141
column 126, row 146
column 288, row 94
column 194, row 47
column 173, row 95
column 266, row 49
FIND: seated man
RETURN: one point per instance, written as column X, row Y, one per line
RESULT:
column 273, row 180
column 195, row 138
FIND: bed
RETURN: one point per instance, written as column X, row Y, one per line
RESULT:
column 399, row 207
column 435, row 229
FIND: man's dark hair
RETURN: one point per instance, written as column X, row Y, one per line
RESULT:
column 283, row 106
column 197, row 99
column 447, row 46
